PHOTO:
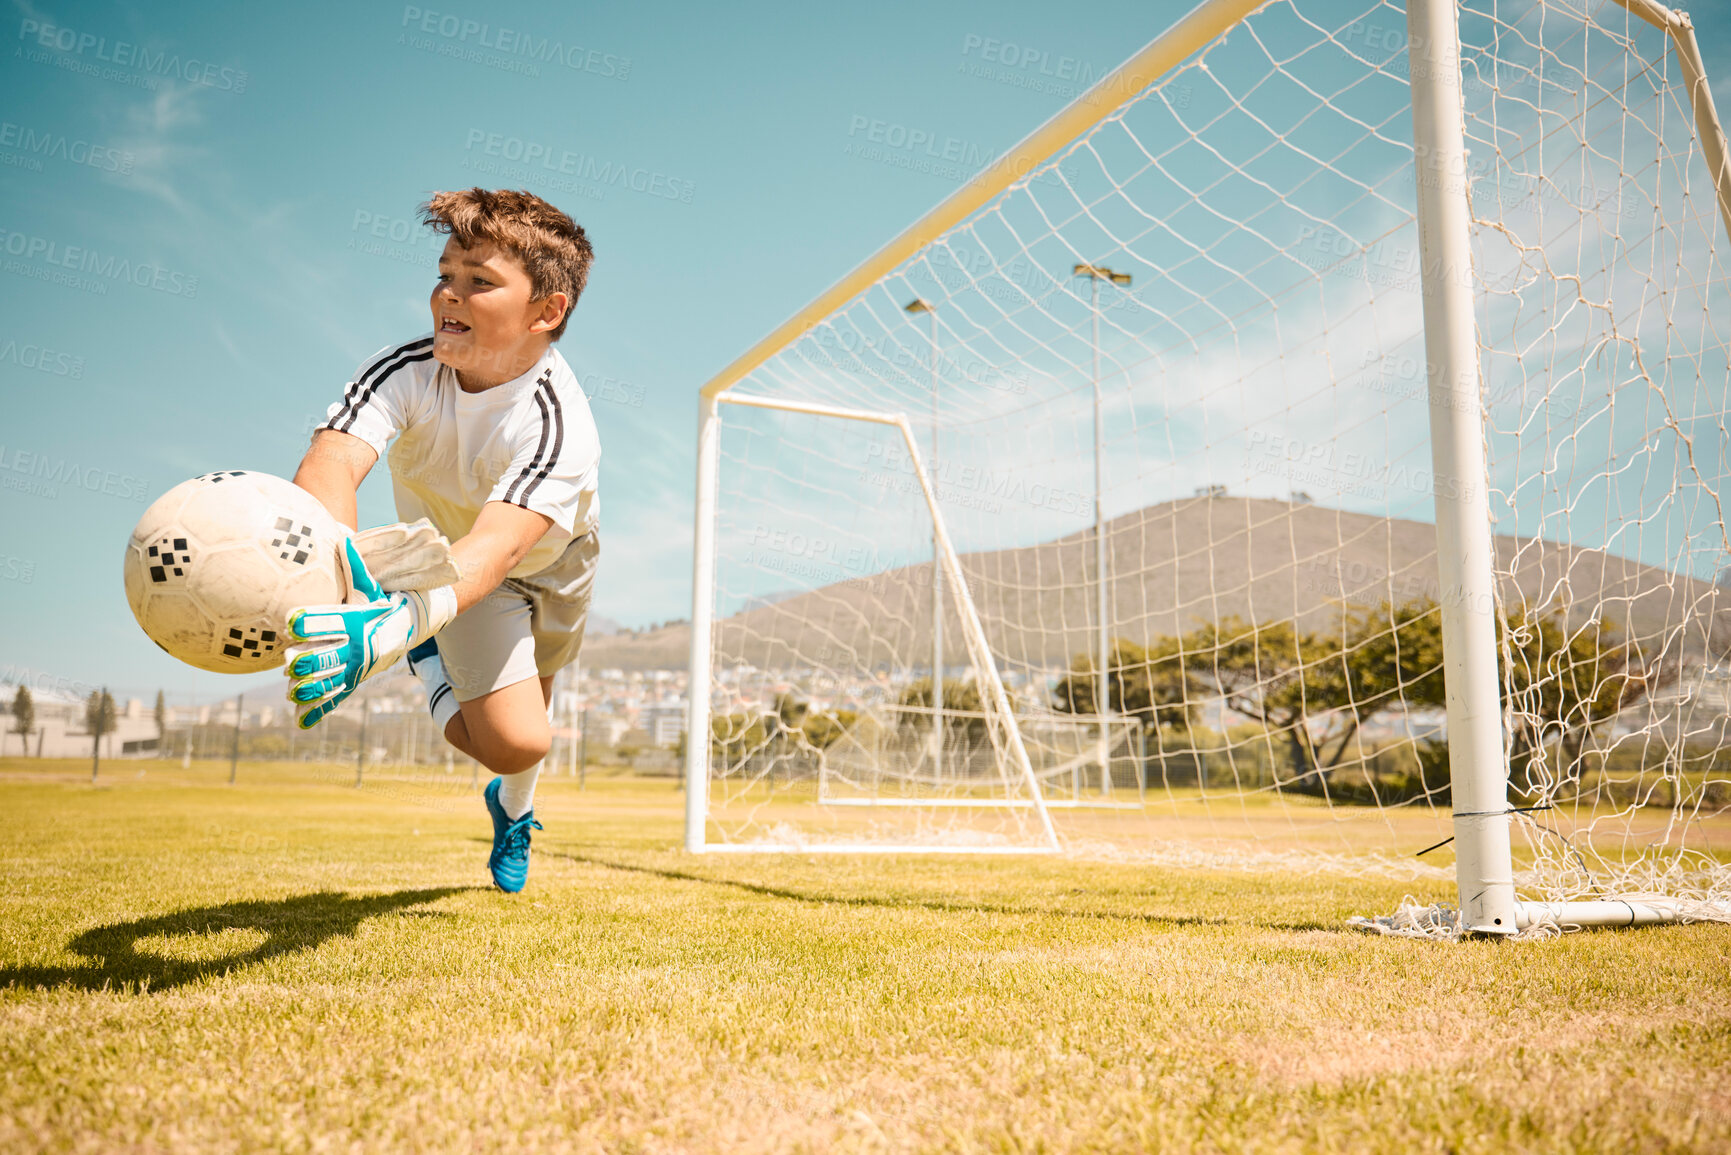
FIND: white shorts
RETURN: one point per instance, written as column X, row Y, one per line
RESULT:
column 528, row 627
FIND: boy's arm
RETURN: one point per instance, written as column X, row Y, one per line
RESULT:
column 333, row 469
column 336, row 464
column 335, row 648
column 502, row 536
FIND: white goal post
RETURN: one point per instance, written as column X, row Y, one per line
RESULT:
column 1463, row 308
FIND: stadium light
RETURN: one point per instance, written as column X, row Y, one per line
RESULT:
column 1103, row 684
column 915, row 307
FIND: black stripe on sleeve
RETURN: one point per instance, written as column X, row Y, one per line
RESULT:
column 367, row 393
column 362, row 387
column 558, row 441
column 540, row 451
column 365, row 375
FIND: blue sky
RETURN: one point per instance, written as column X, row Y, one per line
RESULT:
column 248, row 176
column 257, row 167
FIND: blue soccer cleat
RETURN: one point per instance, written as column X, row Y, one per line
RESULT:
column 509, row 861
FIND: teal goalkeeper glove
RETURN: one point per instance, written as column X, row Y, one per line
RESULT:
column 335, row 648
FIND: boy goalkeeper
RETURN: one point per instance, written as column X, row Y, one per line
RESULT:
column 491, row 440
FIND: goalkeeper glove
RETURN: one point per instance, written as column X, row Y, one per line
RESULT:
column 335, row 648
column 407, row 556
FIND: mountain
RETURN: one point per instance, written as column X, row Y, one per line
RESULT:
column 1175, row 565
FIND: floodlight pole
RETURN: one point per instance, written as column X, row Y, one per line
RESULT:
column 361, row 754
column 1102, row 675
column 234, row 752
column 917, row 305
column 576, row 716
column 1478, row 772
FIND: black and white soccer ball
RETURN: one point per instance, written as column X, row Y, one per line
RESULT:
column 217, row 563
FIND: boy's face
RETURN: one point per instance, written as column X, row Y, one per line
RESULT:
column 486, row 324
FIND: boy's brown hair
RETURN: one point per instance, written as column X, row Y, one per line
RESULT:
column 552, row 247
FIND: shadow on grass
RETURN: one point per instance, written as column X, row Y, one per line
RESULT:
column 117, row 959
column 942, row 906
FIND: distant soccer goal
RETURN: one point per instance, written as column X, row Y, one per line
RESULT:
column 1305, row 451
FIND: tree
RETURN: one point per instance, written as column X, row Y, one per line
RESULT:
column 964, row 712
column 99, row 720
column 1390, row 656
column 1563, row 684
column 735, row 737
column 1268, row 673
column 789, row 714
column 826, row 729
column 23, row 715
column 797, row 727
column 161, row 724
column 790, row 736
column 1152, row 683
column 1319, row 690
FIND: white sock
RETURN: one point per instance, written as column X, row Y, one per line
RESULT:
column 441, row 700
column 517, row 791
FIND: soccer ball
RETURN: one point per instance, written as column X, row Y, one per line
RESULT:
column 217, row 563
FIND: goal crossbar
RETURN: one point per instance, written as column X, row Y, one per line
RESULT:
column 1161, row 55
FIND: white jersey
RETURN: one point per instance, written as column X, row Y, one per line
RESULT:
column 530, row 442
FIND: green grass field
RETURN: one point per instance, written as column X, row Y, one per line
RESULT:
column 293, row 964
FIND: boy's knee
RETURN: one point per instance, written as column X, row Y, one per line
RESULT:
column 512, row 756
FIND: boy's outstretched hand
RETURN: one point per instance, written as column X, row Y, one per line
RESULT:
column 335, row 648
column 407, row 556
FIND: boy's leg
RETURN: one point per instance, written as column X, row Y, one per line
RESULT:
column 485, row 660
column 498, row 660
column 507, row 732
column 506, row 729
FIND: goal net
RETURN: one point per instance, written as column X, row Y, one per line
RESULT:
column 1127, row 449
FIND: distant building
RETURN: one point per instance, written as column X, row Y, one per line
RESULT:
column 60, row 731
column 664, row 721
